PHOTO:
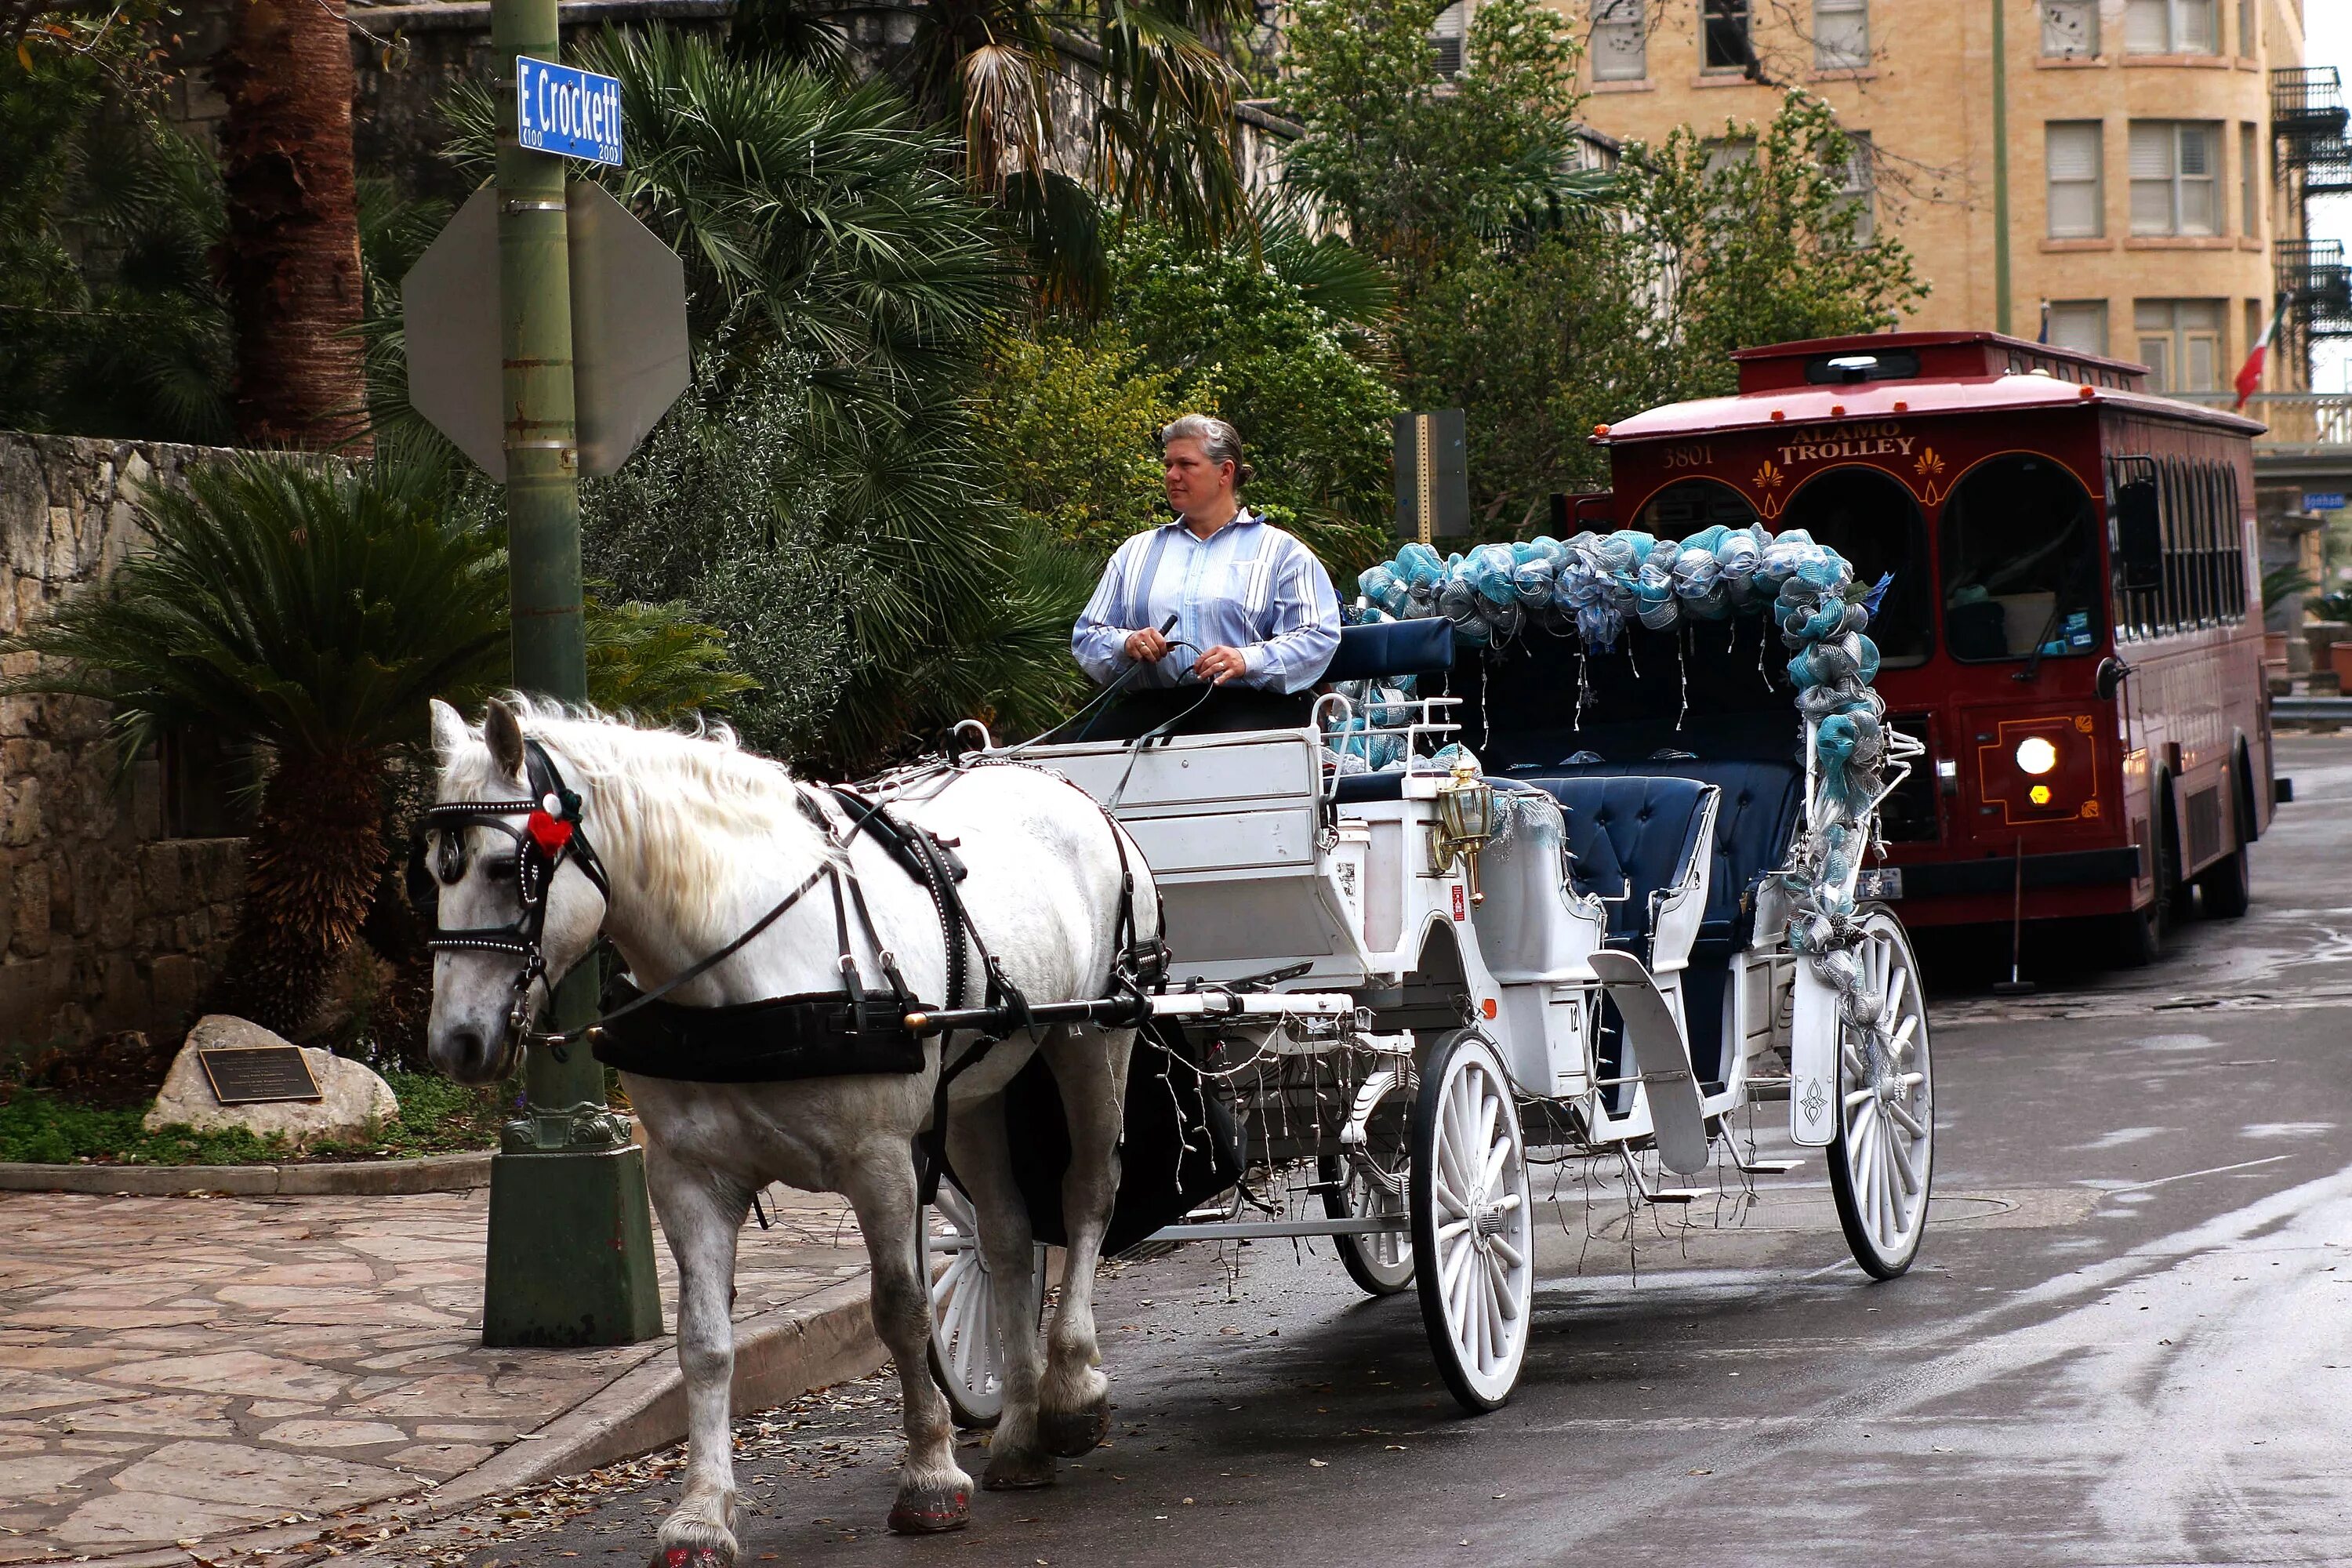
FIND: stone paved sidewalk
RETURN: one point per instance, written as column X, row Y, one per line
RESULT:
column 180, row 1368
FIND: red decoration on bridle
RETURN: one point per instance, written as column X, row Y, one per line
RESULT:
column 550, row 833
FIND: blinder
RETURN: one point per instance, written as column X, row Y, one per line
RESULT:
column 548, row 834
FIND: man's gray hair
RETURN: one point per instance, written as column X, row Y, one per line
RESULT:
column 1220, row 442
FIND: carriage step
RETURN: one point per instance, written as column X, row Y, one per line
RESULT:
column 1771, row 1167
column 1675, row 1195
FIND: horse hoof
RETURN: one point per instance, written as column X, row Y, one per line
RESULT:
column 1018, row 1472
column 694, row 1557
column 1074, row 1433
column 931, row 1513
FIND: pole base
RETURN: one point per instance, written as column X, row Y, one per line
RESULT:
column 570, row 1251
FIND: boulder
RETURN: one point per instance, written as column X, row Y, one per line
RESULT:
column 355, row 1099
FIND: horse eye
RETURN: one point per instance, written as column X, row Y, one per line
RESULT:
column 501, row 868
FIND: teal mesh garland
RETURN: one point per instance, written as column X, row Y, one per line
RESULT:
column 1594, row 583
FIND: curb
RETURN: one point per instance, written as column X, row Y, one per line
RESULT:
column 824, row 1339
column 358, row 1178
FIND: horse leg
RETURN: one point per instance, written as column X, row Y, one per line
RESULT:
column 700, row 1213
column 934, row 1493
column 1090, row 1066
column 979, row 1150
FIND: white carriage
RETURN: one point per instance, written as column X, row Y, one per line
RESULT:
column 1402, row 983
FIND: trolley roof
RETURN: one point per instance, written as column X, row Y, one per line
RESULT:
column 1884, row 375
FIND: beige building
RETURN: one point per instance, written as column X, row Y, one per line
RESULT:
column 2152, row 203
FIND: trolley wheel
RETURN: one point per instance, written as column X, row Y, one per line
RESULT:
column 2136, row 939
column 1473, row 1220
column 1371, row 1181
column 967, row 1355
column 1883, row 1158
column 2226, row 887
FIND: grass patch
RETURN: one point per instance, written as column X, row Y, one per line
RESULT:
column 436, row 1117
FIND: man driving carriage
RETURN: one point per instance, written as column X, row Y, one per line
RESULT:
column 1216, row 620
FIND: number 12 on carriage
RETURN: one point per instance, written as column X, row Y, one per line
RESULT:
column 571, row 112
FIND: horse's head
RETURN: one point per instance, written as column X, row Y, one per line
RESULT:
column 517, row 898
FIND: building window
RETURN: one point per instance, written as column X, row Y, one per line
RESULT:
column 1861, row 188
column 2249, row 27
column 2170, row 28
column 2079, row 324
column 2173, row 177
column 2181, row 344
column 1726, row 45
column 2070, row 28
column 1446, row 36
column 2077, row 201
column 2250, row 180
column 1841, row 34
column 1621, row 41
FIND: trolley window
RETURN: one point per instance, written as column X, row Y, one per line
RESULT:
column 1870, row 517
column 2021, row 556
column 1684, row 508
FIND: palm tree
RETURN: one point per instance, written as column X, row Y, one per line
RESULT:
column 290, row 260
column 1150, row 85
column 310, row 612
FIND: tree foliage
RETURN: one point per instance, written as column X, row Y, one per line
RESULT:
column 1422, row 167
column 1543, row 301
column 111, row 321
column 1764, row 247
column 1067, row 116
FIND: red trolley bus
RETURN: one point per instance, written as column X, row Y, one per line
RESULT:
column 2073, row 627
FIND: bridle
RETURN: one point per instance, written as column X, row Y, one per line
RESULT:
column 550, row 834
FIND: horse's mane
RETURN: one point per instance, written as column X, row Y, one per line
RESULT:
column 694, row 801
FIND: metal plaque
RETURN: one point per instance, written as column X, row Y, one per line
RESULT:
column 259, row 1074
column 1431, row 466
column 568, row 112
column 629, row 352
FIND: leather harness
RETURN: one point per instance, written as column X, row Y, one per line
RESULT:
column 777, row 1039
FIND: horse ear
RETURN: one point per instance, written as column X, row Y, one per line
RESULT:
column 449, row 732
column 503, row 731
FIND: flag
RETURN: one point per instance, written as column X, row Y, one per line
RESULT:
column 2249, row 374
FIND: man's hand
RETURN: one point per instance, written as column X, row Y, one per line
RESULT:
column 1146, row 647
column 1221, row 664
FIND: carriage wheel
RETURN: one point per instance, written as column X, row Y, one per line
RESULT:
column 1360, row 1183
column 967, row 1355
column 1883, row 1158
column 1473, row 1220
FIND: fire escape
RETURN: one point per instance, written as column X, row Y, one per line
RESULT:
column 2309, row 121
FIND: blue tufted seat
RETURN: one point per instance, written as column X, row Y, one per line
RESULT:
column 1629, row 835
column 1761, row 803
column 1385, row 649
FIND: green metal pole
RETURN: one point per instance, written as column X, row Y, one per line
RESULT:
column 571, row 1236
column 1999, row 167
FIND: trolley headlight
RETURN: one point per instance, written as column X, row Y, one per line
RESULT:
column 2036, row 757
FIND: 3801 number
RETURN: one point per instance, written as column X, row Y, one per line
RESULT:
column 1699, row 455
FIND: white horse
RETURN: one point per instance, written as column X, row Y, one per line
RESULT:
column 698, row 840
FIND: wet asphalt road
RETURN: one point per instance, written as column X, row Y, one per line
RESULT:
column 2125, row 1340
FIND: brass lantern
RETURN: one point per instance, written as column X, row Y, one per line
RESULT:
column 1466, row 822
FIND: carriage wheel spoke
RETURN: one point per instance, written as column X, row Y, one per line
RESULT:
column 1510, row 1254
column 1901, row 1116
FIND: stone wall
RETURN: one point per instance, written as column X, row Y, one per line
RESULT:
column 106, row 921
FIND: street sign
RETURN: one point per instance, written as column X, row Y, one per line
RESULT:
column 569, row 111
column 629, row 357
column 2323, row 500
column 1432, row 468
